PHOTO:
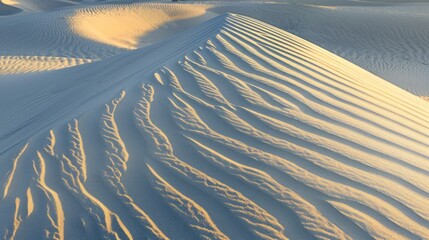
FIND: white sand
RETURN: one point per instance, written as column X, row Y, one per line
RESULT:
column 164, row 121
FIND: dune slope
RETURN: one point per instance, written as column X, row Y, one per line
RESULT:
column 387, row 38
column 72, row 36
column 6, row 9
column 123, row 26
column 232, row 130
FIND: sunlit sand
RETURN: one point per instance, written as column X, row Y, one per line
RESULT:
column 123, row 26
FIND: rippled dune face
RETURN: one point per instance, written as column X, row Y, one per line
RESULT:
column 123, row 26
column 232, row 129
column 244, row 132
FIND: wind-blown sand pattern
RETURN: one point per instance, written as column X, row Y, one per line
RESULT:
column 25, row 64
column 233, row 129
column 384, row 37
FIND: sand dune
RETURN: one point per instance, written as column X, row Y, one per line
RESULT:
column 93, row 33
column 234, row 129
column 7, row 9
column 387, row 38
column 124, row 26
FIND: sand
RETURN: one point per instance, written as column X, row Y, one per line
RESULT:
column 183, row 121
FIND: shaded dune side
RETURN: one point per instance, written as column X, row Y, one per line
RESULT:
column 253, row 134
column 39, row 5
column 6, row 9
column 46, row 36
